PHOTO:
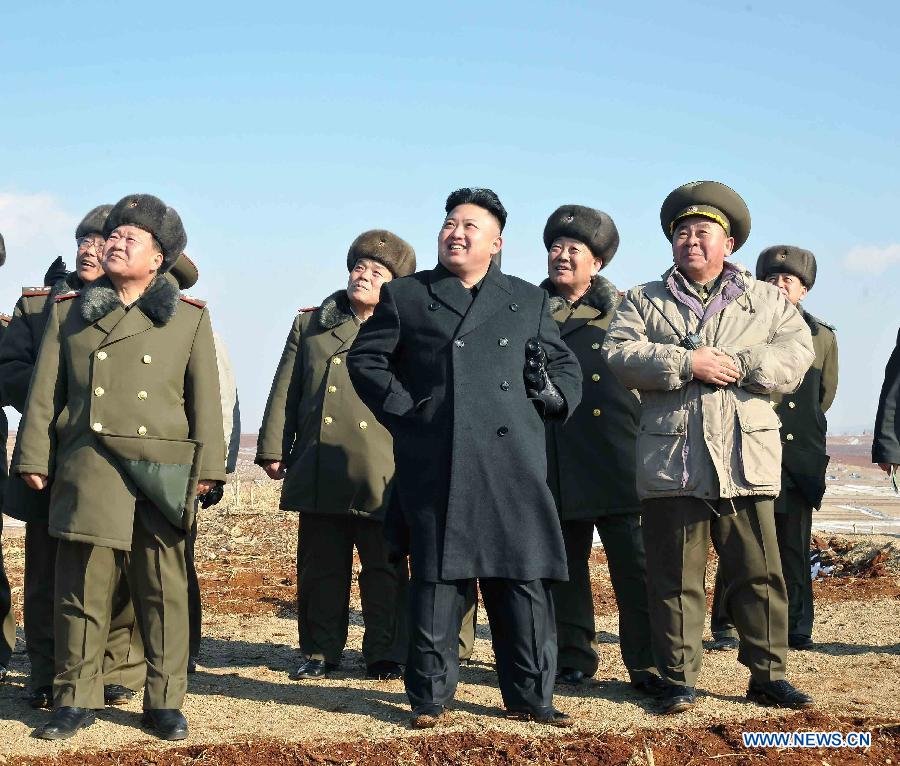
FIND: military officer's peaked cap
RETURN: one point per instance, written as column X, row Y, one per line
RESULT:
column 708, row 199
column 152, row 215
column 2, row 251
column 591, row 227
column 787, row 259
column 185, row 272
column 386, row 248
column 93, row 222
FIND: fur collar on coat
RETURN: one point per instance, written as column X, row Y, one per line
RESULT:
column 335, row 310
column 602, row 295
column 159, row 301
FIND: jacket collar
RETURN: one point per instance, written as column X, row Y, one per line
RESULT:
column 602, row 295
column 158, row 303
column 337, row 315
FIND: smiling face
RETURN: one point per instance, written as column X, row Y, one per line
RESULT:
column 791, row 287
column 700, row 247
column 571, row 266
column 131, row 255
column 364, row 284
column 467, row 240
column 88, row 265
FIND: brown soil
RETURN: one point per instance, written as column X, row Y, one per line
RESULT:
column 705, row 745
column 243, row 709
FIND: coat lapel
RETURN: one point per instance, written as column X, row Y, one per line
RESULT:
column 578, row 319
column 133, row 322
column 493, row 295
column 345, row 333
column 446, row 287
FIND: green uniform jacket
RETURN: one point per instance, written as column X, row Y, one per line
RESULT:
column 4, row 427
column 119, row 402
column 18, row 353
column 339, row 457
column 802, row 414
column 590, row 457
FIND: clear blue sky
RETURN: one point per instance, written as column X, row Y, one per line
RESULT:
column 280, row 131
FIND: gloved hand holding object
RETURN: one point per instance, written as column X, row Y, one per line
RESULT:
column 547, row 399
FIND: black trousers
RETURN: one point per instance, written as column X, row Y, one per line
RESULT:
column 7, row 618
column 523, row 634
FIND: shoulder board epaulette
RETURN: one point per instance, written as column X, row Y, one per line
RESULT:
column 193, row 301
column 66, row 296
column 31, row 292
column 307, row 309
column 824, row 324
column 5, row 318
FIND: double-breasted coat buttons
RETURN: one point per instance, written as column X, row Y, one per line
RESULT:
column 504, row 386
column 142, row 395
column 98, row 427
column 502, row 431
column 99, row 391
column 503, row 341
column 142, row 430
column 146, row 359
column 101, row 355
column 459, row 343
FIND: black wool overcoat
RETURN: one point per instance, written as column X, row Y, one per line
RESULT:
column 886, row 442
column 444, row 374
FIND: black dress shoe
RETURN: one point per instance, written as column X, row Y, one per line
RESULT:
column 569, row 676
column 549, row 716
column 4, row 671
column 677, row 699
column 724, row 643
column 310, row 668
column 798, row 641
column 116, row 694
column 778, row 694
column 427, row 716
column 192, row 665
column 651, row 685
column 168, row 724
column 385, row 670
column 41, row 698
column 65, row 722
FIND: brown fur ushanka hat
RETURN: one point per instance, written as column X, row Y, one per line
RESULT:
column 93, row 222
column 787, row 259
column 386, row 248
column 152, row 215
column 591, row 227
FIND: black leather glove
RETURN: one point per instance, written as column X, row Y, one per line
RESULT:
column 213, row 496
column 56, row 272
column 547, row 399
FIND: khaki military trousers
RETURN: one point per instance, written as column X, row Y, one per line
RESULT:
column 7, row 618
column 574, row 602
column 123, row 659
column 87, row 577
column 324, row 573
column 677, row 532
column 793, row 525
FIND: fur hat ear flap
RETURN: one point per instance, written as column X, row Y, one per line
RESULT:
column 93, row 222
column 185, row 272
column 152, row 215
column 386, row 248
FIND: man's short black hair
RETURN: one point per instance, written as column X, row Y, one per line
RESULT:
column 485, row 198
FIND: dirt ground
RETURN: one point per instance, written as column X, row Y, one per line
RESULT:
column 243, row 709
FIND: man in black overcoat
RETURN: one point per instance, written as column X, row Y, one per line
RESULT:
column 442, row 364
column 886, row 442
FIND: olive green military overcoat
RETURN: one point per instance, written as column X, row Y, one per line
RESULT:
column 339, row 457
column 123, row 403
column 590, row 457
column 802, row 414
column 18, row 353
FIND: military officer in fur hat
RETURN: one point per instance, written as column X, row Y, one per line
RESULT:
column 803, row 460
column 123, row 426
column 442, row 364
column 337, row 463
column 590, row 458
column 7, row 618
column 706, row 346
column 123, row 662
